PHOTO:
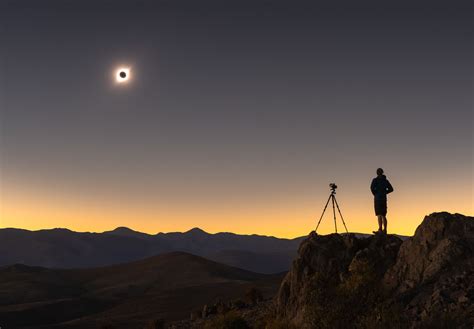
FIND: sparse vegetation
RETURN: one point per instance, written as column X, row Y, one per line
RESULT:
column 156, row 324
column 237, row 304
column 272, row 321
column 447, row 320
column 230, row 320
column 253, row 295
column 196, row 314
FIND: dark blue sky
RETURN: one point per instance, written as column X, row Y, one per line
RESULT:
column 235, row 108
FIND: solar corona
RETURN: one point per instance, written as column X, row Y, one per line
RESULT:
column 122, row 75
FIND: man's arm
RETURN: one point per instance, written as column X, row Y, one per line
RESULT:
column 389, row 187
column 372, row 187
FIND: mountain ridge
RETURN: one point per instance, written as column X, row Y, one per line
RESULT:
column 63, row 248
column 124, row 229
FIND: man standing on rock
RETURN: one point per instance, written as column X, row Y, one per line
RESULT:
column 380, row 187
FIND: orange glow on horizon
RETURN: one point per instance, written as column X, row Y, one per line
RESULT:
column 23, row 208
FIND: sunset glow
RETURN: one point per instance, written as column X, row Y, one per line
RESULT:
column 278, row 214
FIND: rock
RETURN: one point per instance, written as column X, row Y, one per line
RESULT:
column 435, row 268
column 440, row 242
column 426, row 280
column 334, row 257
column 463, row 299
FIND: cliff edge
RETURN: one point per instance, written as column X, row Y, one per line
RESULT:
column 426, row 281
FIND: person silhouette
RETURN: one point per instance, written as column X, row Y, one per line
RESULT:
column 380, row 187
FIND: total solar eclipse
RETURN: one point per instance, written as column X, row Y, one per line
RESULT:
column 122, row 75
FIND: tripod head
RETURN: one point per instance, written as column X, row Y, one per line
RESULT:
column 333, row 187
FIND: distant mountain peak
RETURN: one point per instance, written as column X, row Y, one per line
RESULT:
column 125, row 231
column 122, row 229
column 57, row 229
column 196, row 231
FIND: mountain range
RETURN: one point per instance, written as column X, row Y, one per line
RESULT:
column 63, row 248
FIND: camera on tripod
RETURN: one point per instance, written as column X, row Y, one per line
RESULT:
column 332, row 198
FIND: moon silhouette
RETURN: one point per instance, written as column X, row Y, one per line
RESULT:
column 122, row 75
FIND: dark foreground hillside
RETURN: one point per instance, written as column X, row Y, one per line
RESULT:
column 343, row 282
column 167, row 286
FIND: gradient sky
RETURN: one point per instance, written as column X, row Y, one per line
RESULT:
column 238, row 116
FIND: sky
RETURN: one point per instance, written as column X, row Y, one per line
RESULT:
column 237, row 114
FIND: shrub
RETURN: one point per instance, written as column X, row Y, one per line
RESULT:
column 229, row 320
column 237, row 304
column 196, row 314
column 156, row 324
column 253, row 295
column 275, row 323
column 453, row 319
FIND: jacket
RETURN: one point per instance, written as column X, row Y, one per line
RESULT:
column 380, row 187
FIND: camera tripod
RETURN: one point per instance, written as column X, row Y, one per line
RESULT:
column 332, row 197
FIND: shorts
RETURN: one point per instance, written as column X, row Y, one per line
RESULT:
column 380, row 207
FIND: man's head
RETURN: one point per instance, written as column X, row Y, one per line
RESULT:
column 379, row 171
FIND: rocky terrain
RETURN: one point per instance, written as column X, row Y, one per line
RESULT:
column 426, row 281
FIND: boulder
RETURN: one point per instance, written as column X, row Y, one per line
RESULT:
column 433, row 277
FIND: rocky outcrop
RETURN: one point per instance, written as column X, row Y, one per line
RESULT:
column 434, row 271
column 443, row 243
column 333, row 258
column 381, row 281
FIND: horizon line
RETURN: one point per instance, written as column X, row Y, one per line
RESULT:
column 187, row 231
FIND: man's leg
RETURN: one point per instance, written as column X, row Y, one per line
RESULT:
column 384, row 218
column 380, row 218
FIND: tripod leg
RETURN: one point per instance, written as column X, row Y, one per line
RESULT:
column 340, row 214
column 334, row 212
column 322, row 213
